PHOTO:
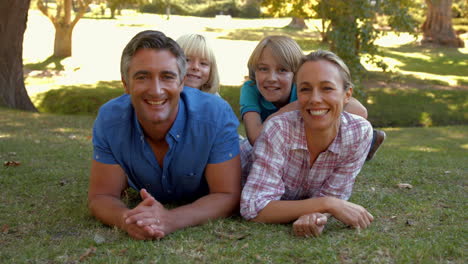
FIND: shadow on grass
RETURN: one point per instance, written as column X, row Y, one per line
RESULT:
column 83, row 99
column 412, row 107
column 42, row 66
column 439, row 61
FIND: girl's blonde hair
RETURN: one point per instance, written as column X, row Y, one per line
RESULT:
column 286, row 51
column 198, row 46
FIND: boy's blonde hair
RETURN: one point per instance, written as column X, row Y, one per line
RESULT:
column 286, row 51
column 197, row 45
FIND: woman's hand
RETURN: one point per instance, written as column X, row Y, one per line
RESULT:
column 351, row 214
column 310, row 225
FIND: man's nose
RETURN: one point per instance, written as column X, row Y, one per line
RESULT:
column 156, row 87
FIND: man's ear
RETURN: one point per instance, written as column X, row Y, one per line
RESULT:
column 348, row 95
column 127, row 89
column 182, row 83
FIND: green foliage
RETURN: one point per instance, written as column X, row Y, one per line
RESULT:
column 44, row 215
column 159, row 7
column 349, row 25
column 290, row 8
column 84, row 99
column 204, row 9
column 353, row 32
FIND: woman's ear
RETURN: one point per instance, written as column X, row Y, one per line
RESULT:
column 348, row 95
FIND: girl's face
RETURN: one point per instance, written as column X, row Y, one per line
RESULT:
column 273, row 80
column 321, row 94
column 198, row 71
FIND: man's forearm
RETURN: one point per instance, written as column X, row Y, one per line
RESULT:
column 211, row 206
column 108, row 209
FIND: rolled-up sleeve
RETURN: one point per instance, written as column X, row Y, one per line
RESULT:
column 264, row 183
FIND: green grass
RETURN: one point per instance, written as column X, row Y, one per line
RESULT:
column 44, row 218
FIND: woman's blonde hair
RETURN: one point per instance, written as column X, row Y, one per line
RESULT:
column 286, row 51
column 334, row 59
column 197, row 45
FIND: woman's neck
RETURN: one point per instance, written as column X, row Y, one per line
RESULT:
column 319, row 140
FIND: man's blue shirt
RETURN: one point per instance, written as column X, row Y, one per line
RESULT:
column 251, row 100
column 204, row 132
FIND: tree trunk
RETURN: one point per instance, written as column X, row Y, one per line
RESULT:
column 438, row 29
column 13, row 17
column 297, row 23
column 63, row 40
column 64, row 24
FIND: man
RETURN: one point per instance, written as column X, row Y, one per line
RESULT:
column 170, row 142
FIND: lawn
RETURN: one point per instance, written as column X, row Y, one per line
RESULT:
column 43, row 211
column 44, row 218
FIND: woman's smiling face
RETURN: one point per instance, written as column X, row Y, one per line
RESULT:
column 321, row 94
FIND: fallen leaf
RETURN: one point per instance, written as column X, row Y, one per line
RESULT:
column 88, row 253
column 246, row 245
column 447, row 172
column 404, row 186
column 409, row 222
column 89, row 137
column 11, row 163
column 123, row 251
column 63, row 182
column 12, row 153
column 5, row 228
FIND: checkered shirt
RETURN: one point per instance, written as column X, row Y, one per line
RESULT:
column 280, row 166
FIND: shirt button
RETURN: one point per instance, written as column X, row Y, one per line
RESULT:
column 230, row 155
column 178, row 136
column 97, row 156
column 141, row 138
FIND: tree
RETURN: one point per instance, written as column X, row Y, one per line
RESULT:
column 13, row 17
column 437, row 28
column 64, row 23
column 299, row 10
column 348, row 26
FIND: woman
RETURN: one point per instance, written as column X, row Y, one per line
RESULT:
column 306, row 161
column 202, row 70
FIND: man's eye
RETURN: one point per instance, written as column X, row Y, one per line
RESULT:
column 140, row 77
column 168, row 77
column 262, row 69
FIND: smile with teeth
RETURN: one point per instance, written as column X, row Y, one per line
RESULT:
column 193, row 76
column 159, row 102
column 317, row 112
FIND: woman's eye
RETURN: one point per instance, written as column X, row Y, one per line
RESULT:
column 283, row 70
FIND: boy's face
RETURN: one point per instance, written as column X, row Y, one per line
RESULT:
column 273, row 80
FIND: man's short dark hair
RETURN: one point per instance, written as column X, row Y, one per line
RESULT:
column 152, row 39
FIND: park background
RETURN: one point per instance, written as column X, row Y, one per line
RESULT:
column 420, row 100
